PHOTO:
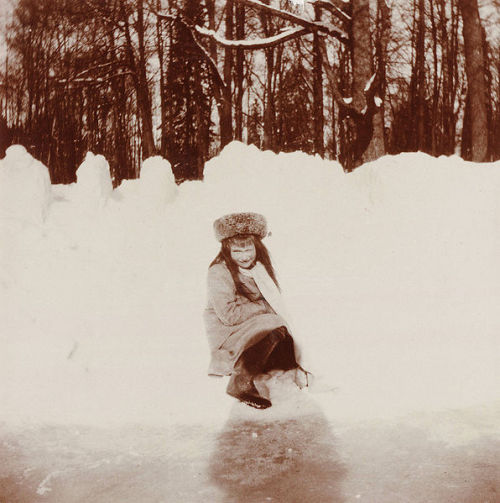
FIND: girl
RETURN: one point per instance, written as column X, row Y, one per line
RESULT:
column 246, row 330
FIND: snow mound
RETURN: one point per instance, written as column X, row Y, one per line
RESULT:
column 156, row 186
column 93, row 178
column 158, row 182
column 25, row 191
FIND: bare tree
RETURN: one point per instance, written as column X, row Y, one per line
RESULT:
column 364, row 75
column 318, row 99
column 331, row 79
column 475, row 68
column 137, row 62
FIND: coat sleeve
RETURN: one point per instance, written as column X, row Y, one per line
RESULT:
column 231, row 309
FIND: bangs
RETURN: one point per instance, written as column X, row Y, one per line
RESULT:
column 240, row 240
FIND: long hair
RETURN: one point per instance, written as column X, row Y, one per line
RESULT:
column 262, row 255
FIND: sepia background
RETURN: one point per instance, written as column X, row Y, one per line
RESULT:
column 365, row 132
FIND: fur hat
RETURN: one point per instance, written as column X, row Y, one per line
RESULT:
column 240, row 223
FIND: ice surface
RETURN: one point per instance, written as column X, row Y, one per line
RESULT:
column 391, row 272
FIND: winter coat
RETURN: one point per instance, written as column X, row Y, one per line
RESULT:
column 234, row 322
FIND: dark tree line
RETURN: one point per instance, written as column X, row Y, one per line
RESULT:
column 182, row 78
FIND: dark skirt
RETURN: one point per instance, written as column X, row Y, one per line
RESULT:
column 282, row 356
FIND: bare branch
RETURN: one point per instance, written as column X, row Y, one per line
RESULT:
column 332, row 78
column 219, row 80
column 370, row 90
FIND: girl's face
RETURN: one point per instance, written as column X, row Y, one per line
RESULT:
column 244, row 254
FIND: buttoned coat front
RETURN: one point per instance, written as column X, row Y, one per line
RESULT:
column 234, row 322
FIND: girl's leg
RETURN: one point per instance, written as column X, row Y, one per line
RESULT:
column 257, row 356
column 250, row 364
column 283, row 355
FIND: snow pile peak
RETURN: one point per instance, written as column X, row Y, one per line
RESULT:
column 94, row 185
column 25, row 190
column 157, row 180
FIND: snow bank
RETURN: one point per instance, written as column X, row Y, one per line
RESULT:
column 391, row 272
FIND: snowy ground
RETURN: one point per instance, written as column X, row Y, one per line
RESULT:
column 391, row 273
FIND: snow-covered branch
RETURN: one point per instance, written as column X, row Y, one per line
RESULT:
column 211, row 64
column 93, row 68
column 260, row 43
column 93, row 81
column 314, row 26
column 334, row 8
column 370, row 83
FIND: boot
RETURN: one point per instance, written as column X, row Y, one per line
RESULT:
column 242, row 387
column 250, row 364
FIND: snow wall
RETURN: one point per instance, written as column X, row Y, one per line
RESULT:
column 391, row 272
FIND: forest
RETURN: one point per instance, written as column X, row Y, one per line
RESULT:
column 346, row 80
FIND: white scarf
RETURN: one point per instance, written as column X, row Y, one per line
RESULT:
column 267, row 288
column 273, row 296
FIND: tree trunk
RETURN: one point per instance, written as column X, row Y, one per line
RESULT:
column 318, row 118
column 210, row 6
column 138, row 69
column 161, row 60
column 466, row 141
column 143, row 92
column 362, row 73
column 268, row 142
column 420, row 77
column 495, row 129
column 226, row 118
column 240, row 59
column 384, row 35
column 122, row 162
column 476, row 83
column 448, row 51
column 489, row 92
column 333, row 141
column 221, row 94
column 435, row 87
